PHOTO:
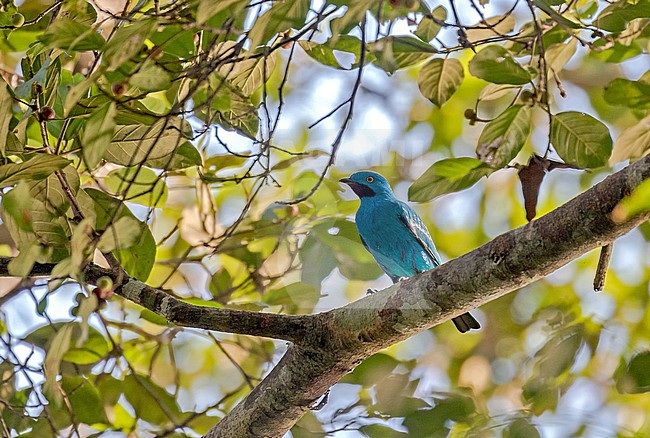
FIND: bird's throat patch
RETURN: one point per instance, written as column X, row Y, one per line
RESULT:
column 362, row 190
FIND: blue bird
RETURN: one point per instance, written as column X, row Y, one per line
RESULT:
column 395, row 235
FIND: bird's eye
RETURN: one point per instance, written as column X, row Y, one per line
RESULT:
column 370, row 179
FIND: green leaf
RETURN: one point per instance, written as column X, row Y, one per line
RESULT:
column 122, row 419
column 223, row 104
column 126, row 42
column 634, row 378
column 492, row 27
column 581, row 140
column 154, row 318
column 447, row 176
column 48, row 68
column 439, row 79
column 318, row 261
column 398, row 52
column 28, row 254
column 617, row 53
column 92, row 350
column 210, row 8
column 42, row 305
column 161, row 145
column 138, row 259
column 454, row 407
column 139, row 185
column 34, row 167
column 48, row 229
column 429, row 26
column 250, row 74
column 557, row 55
column 79, row 11
column 497, row 91
column 186, row 155
column 502, row 138
column 50, row 192
column 349, row 44
column 72, row 35
column 559, row 353
column 352, row 17
column 220, row 162
column 18, row 204
column 281, row 16
column 60, row 344
column 635, row 203
column 175, row 42
column 521, row 428
column 615, row 17
column 632, row 94
column 633, row 142
column 495, row 64
column 151, row 402
column 98, row 133
column 151, row 78
column 6, row 104
column 545, row 6
column 377, row 430
column 78, row 91
column 121, row 234
column 320, row 52
column 84, row 398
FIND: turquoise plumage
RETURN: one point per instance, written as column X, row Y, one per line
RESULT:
column 394, row 234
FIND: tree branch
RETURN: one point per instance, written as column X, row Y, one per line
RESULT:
column 346, row 336
column 271, row 325
column 328, row 345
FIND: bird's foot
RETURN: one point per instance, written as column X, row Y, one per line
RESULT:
column 371, row 291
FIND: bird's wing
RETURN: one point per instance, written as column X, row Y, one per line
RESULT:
column 414, row 223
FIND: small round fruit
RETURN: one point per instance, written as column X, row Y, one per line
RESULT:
column 104, row 288
column 17, row 19
column 527, row 96
column 104, row 283
column 119, row 88
column 411, row 5
column 46, row 113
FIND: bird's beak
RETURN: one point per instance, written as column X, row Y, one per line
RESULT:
column 347, row 181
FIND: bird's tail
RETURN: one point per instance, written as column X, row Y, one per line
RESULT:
column 465, row 322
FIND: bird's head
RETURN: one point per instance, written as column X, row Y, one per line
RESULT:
column 367, row 184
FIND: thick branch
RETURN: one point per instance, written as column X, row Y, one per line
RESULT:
column 346, row 336
column 328, row 345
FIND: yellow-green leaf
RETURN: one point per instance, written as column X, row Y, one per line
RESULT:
column 439, row 79
column 447, row 176
column 581, row 140
column 633, row 142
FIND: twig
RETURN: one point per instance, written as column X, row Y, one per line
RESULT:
column 348, row 117
column 462, row 35
column 36, row 19
column 601, row 269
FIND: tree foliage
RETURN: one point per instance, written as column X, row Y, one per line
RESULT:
column 180, row 144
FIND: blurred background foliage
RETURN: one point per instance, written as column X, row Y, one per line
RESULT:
column 180, row 136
